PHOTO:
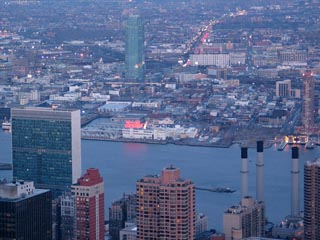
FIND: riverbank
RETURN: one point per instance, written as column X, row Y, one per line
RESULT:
column 184, row 142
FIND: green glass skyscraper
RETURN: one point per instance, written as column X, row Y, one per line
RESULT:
column 134, row 55
column 46, row 147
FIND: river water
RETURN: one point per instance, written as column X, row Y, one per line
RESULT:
column 121, row 164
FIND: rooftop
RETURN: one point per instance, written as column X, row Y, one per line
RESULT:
column 18, row 190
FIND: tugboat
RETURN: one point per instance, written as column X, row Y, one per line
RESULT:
column 217, row 189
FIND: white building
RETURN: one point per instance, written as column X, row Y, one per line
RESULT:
column 219, row 60
column 201, row 223
column 129, row 232
column 132, row 133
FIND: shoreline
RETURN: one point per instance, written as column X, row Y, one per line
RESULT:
column 267, row 145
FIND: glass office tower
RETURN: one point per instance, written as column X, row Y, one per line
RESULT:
column 46, row 147
column 134, row 55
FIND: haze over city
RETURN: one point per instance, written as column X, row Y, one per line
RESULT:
column 131, row 119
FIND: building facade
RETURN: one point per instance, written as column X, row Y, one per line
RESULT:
column 219, row 60
column 121, row 211
column 46, row 147
column 89, row 203
column 201, row 223
column 165, row 207
column 312, row 200
column 25, row 212
column 244, row 220
column 68, row 217
column 134, row 50
column 283, row 88
column 129, row 232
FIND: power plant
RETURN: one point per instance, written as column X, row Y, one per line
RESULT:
column 248, row 218
column 292, row 226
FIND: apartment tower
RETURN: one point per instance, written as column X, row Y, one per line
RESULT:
column 46, row 147
column 89, row 203
column 165, row 207
column 312, row 200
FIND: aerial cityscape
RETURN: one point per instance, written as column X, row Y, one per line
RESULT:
column 159, row 120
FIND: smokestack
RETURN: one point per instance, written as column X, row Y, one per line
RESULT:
column 295, row 182
column 244, row 172
column 259, row 167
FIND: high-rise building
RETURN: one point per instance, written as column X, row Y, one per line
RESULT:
column 25, row 212
column 308, row 102
column 165, row 207
column 89, row 202
column 64, row 217
column 46, row 147
column 312, row 200
column 68, row 216
column 244, row 220
column 134, row 50
column 121, row 211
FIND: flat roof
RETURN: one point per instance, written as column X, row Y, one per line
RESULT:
column 36, row 192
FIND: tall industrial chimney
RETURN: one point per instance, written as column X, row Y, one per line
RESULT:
column 244, row 171
column 259, row 167
column 295, row 182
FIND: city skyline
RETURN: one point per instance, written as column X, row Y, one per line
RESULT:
column 155, row 82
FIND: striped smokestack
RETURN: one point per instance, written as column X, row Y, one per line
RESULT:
column 295, row 182
column 244, row 171
column 259, row 166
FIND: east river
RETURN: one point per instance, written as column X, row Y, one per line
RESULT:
column 121, row 164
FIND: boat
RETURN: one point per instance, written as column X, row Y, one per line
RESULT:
column 6, row 126
column 217, row 189
column 282, row 146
